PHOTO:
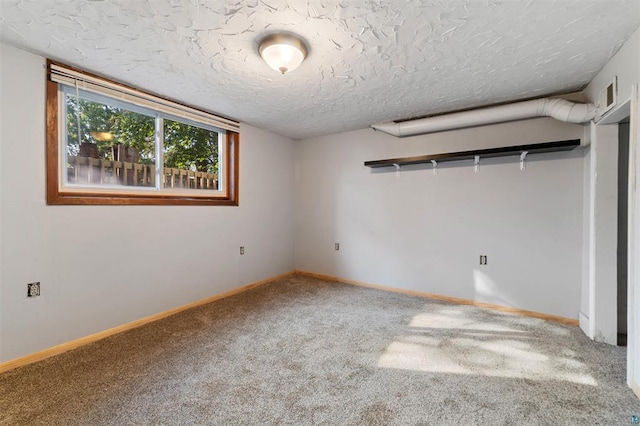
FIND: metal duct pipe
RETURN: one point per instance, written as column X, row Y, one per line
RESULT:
column 559, row 109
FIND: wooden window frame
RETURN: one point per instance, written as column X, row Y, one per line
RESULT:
column 57, row 195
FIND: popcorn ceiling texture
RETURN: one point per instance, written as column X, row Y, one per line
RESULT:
column 369, row 61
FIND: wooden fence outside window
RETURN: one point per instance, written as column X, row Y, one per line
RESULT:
column 87, row 170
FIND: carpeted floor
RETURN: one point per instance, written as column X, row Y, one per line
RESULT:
column 305, row 351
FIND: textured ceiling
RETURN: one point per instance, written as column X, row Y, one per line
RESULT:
column 369, row 61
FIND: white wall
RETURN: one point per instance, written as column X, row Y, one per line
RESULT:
column 102, row 266
column 424, row 232
column 2, row 143
column 586, row 235
column 603, row 233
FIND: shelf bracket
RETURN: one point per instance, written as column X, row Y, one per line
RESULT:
column 397, row 166
column 435, row 167
column 523, row 160
column 477, row 164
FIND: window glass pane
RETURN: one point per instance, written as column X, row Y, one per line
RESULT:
column 108, row 145
column 191, row 156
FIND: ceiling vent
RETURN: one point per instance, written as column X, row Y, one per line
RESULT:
column 608, row 97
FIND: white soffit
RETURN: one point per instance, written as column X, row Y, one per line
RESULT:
column 369, row 61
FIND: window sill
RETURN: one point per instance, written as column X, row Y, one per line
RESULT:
column 74, row 198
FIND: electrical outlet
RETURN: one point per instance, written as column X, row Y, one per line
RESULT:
column 241, row 249
column 337, row 246
column 33, row 289
column 483, row 259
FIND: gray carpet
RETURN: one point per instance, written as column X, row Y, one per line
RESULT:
column 305, row 351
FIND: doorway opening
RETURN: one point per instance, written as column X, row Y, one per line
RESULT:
column 622, row 254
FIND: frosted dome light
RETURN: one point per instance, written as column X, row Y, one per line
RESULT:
column 283, row 52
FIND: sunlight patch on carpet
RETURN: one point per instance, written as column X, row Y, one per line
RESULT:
column 449, row 320
column 492, row 357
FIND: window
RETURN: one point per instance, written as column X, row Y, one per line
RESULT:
column 111, row 144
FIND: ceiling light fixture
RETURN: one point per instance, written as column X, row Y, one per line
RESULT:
column 283, row 52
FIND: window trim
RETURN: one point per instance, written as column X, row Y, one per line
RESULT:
column 57, row 195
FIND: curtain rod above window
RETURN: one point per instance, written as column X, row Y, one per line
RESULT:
column 62, row 74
